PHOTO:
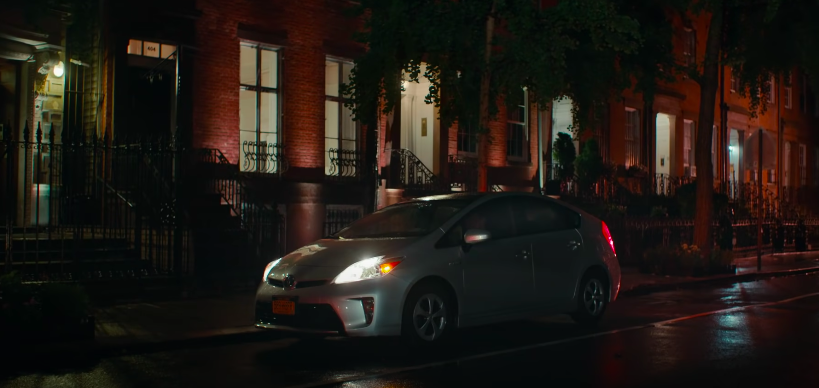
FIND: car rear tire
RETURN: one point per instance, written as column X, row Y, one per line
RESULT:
column 429, row 316
column 592, row 300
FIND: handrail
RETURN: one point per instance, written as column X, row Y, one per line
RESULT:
column 115, row 192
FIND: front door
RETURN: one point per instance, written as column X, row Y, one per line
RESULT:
column 497, row 274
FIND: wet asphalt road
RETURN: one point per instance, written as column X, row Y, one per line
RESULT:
column 771, row 344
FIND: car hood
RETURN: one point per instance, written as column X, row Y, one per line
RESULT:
column 327, row 258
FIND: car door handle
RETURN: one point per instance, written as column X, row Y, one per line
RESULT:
column 574, row 245
column 524, row 255
column 454, row 263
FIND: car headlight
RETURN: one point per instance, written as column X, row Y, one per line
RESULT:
column 269, row 268
column 371, row 268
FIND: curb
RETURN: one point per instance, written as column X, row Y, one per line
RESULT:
column 741, row 278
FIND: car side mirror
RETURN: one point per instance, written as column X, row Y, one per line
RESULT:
column 476, row 236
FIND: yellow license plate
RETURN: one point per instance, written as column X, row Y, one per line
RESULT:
column 284, row 307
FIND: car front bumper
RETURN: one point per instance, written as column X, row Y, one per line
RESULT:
column 335, row 309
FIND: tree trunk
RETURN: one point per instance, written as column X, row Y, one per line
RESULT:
column 483, row 121
column 703, row 228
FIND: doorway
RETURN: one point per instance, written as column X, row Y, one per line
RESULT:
column 417, row 121
column 664, row 158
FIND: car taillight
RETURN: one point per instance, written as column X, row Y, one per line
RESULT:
column 607, row 236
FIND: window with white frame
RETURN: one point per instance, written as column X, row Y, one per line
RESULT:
column 633, row 132
column 688, row 149
column 340, row 129
column 803, row 165
column 517, row 141
column 788, row 90
column 258, row 108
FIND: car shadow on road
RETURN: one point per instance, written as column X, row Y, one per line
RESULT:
column 325, row 355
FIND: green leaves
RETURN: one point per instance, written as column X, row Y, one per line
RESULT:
column 566, row 50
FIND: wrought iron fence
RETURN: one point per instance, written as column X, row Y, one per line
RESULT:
column 339, row 217
column 264, row 224
column 633, row 236
column 82, row 207
column 413, row 173
column 344, row 164
column 463, row 173
column 263, row 157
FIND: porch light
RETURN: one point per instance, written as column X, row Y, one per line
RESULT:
column 59, row 69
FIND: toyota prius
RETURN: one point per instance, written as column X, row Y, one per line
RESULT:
column 426, row 267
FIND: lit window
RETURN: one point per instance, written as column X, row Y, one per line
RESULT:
column 633, row 133
column 258, row 108
column 340, row 129
column 151, row 49
column 688, row 149
column 517, row 140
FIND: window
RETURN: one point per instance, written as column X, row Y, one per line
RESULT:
column 151, row 49
column 258, row 108
column 771, row 176
column 340, row 129
column 494, row 217
column 690, row 47
column 537, row 216
column 467, row 136
column 517, row 141
column 632, row 137
column 688, row 148
column 734, row 80
column 788, row 90
column 803, row 165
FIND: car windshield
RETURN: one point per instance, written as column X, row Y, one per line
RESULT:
column 412, row 219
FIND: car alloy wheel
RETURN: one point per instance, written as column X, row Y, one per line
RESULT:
column 429, row 317
column 594, row 297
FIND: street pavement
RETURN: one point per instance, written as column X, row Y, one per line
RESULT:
column 744, row 334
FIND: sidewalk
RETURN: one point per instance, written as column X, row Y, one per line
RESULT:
column 634, row 282
column 139, row 326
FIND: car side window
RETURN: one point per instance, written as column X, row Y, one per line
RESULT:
column 536, row 216
column 494, row 217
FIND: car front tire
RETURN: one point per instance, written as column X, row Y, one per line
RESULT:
column 429, row 315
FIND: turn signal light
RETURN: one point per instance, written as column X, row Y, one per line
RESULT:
column 387, row 267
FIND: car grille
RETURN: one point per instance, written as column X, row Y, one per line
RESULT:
column 308, row 316
column 299, row 284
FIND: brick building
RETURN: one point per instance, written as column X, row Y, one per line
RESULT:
column 249, row 92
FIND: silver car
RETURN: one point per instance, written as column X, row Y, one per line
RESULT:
column 423, row 268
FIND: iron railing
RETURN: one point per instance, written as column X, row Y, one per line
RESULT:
column 413, row 173
column 263, row 222
column 82, row 207
column 463, row 173
column 338, row 218
column 344, row 164
column 263, row 157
